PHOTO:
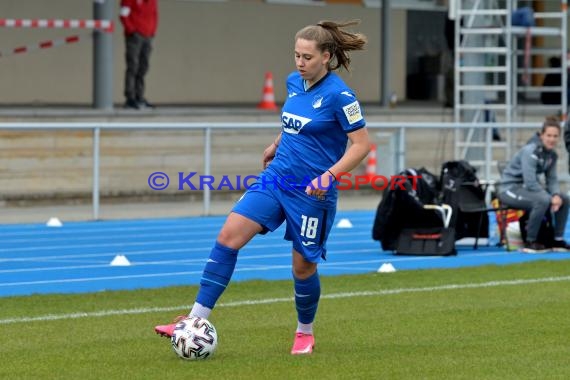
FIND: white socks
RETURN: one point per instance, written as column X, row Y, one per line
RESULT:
column 200, row 311
column 305, row 328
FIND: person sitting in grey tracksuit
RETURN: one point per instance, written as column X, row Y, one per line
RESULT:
column 522, row 189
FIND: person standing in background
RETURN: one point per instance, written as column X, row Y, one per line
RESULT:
column 139, row 19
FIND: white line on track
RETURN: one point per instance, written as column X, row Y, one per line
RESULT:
column 267, row 244
column 200, row 261
column 241, row 268
column 243, row 259
column 429, row 289
column 155, row 240
column 197, row 224
column 38, row 230
column 103, row 235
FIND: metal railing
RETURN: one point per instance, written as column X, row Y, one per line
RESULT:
column 398, row 128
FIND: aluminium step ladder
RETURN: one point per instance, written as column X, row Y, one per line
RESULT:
column 489, row 79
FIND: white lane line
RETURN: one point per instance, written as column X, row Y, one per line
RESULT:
column 251, row 246
column 155, row 235
column 243, row 258
column 240, row 268
column 155, row 225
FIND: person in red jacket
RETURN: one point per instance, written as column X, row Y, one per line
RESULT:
column 139, row 19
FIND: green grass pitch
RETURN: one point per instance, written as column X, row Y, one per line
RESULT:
column 493, row 322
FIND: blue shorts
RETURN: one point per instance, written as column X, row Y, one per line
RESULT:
column 309, row 220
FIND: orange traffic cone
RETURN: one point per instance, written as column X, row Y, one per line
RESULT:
column 371, row 163
column 268, row 101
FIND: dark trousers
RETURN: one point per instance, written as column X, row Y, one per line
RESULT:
column 537, row 203
column 137, row 54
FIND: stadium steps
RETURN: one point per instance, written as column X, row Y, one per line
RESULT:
column 58, row 164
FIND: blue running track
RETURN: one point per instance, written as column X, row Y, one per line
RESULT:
column 76, row 258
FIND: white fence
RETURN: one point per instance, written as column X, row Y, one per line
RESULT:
column 397, row 141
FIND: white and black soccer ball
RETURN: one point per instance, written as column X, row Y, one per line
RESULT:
column 194, row 338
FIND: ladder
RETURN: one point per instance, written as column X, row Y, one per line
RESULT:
column 490, row 77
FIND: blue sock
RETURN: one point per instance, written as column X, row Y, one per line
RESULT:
column 307, row 294
column 217, row 274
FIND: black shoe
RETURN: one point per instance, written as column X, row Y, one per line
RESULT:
column 132, row 104
column 145, row 104
column 534, row 247
column 560, row 246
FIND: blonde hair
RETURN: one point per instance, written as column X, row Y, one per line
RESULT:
column 329, row 37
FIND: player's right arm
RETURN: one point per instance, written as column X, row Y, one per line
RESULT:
column 269, row 152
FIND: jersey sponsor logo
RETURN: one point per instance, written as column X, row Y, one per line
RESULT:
column 308, row 243
column 352, row 112
column 317, row 101
column 347, row 94
column 293, row 123
column 291, row 94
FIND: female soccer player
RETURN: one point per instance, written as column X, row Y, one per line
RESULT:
column 301, row 166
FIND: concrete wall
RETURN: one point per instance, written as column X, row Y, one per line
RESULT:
column 204, row 52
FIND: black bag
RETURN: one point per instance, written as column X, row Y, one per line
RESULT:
column 455, row 175
column 438, row 241
column 403, row 208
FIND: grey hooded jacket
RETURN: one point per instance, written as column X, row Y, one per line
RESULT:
column 528, row 164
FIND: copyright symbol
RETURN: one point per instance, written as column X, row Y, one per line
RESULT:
column 158, row 181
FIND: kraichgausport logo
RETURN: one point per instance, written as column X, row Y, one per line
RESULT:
column 345, row 181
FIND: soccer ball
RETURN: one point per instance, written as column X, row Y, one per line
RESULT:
column 194, row 338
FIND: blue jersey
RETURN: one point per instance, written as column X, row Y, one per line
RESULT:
column 315, row 123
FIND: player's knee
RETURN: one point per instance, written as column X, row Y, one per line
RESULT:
column 543, row 202
column 231, row 239
column 303, row 271
column 225, row 238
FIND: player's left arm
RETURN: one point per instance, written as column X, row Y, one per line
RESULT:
column 349, row 115
column 357, row 151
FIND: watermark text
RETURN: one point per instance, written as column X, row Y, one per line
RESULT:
column 344, row 181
